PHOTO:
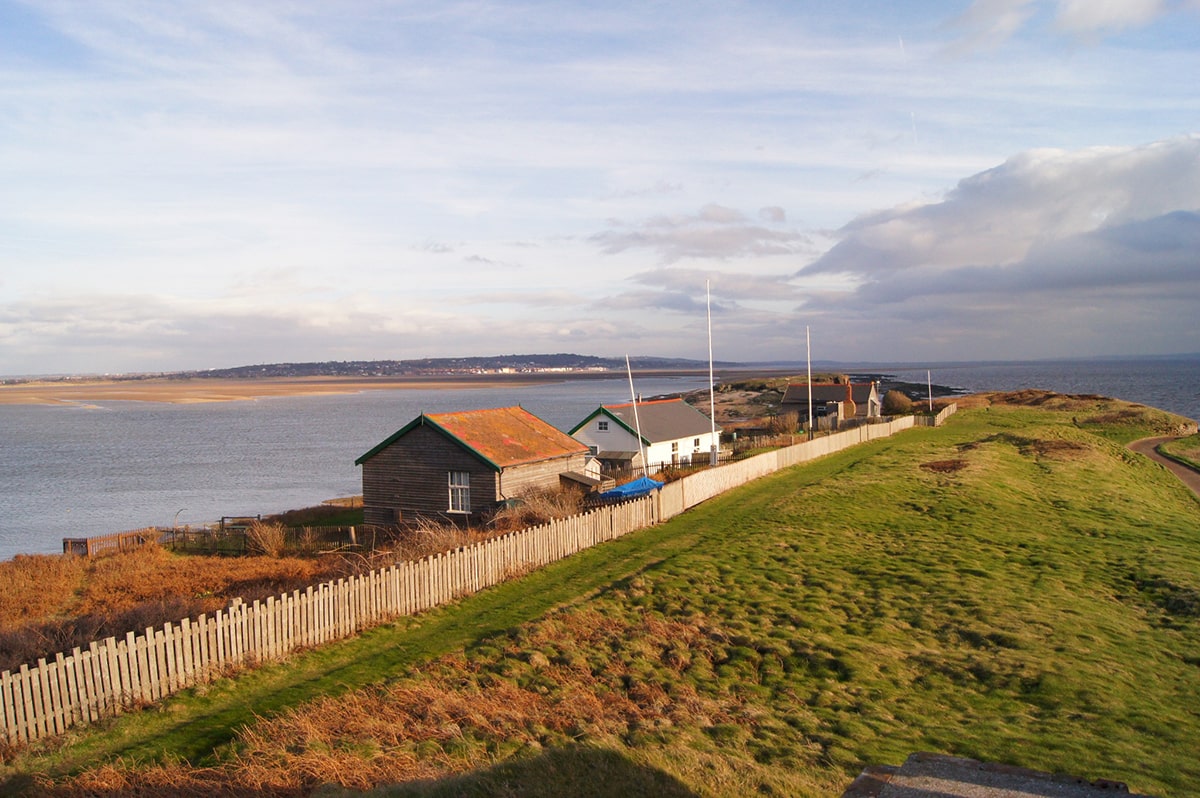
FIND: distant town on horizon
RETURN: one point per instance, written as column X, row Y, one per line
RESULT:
column 493, row 365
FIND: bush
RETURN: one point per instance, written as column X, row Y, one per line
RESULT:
column 785, row 423
column 896, row 403
column 536, row 508
column 266, row 538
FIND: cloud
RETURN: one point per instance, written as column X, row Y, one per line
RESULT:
column 538, row 300
column 724, row 285
column 716, row 232
column 990, row 23
column 1092, row 16
column 997, row 217
column 1091, row 235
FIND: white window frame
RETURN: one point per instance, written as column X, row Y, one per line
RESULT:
column 459, row 487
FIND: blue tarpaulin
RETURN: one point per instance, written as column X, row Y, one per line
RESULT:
column 631, row 490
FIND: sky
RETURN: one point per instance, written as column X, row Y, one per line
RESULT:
column 207, row 183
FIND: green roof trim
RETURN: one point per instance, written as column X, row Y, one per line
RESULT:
column 602, row 410
column 421, row 421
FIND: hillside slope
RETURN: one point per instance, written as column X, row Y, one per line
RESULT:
column 1015, row 586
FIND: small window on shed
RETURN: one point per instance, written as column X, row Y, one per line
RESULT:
column 460, row 491
column 602, row 426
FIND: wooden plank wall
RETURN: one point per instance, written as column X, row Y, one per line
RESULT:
column 115, row 675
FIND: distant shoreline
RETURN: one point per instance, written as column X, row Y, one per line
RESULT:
column 192, row 390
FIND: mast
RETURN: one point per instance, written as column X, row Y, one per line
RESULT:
column 929, row 386
column 637, row 425
column 808, row 345
column 712, row 396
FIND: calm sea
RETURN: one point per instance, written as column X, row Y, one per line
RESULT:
column 1171, row 384
column 101, row 467
column 82, row 470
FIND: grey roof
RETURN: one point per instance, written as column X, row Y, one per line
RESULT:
column 616, row 455
column 662, row 420
column 797, row 393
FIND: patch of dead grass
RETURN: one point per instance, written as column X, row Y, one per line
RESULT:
column 54, row 603
column 34, row 586
column 552, row 683
column 945, row 466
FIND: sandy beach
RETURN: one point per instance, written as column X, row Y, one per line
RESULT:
column 182, row 390
column 189, row 390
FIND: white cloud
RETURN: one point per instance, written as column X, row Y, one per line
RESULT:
column 990, row 23
column 1091, row 16
column 714, row 232
column 1047, row 240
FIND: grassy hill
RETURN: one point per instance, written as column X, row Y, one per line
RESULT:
column 1014, row 586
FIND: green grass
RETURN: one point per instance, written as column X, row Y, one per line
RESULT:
column 1033, row 598
column 1183, row 450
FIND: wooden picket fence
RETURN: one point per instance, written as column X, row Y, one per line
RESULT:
column 115, row 675
column 119, row 674
column 106, row 544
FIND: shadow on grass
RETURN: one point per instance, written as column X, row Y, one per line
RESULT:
column 577, row 771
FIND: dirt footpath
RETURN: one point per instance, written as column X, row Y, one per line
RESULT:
column 1186, row 475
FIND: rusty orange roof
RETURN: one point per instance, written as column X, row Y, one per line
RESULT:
column 502, row 436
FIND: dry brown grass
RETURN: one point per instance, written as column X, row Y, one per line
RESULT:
column 550, row 684
column 36, row 586
column 266, row 538
column 53, row 603
column 537, row 508
column 945, row 466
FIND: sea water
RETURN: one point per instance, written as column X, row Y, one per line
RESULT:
column 1168, row 383
column 94, row 468
column 91, row 469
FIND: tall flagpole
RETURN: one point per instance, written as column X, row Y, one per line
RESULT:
column 808, row 345
column 712, row 397
column 637, row 425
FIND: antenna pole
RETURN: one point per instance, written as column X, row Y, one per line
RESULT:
column 712, row 396
column 808, row 345
column 637, row 425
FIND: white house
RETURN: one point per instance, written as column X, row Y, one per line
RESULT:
column 673, row 433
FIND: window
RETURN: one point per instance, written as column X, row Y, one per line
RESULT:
column 696, row 444
column 674, row 447
column 602, row 426
column 460, row 491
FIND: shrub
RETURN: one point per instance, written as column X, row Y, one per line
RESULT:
column 267, row 538
column 896, row 403
column 535, row 508
column 785, row 423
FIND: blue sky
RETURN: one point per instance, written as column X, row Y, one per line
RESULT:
column 208, row 184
